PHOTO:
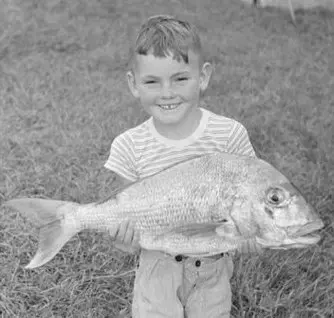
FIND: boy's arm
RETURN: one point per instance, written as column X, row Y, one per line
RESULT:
column 126, row 238
column 122, row 162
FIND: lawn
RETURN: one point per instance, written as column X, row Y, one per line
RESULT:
column 64, row 98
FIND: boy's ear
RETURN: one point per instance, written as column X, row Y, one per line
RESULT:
column 205, row 75
column 132, row 84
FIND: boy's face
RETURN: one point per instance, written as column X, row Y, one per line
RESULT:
column 169, row 90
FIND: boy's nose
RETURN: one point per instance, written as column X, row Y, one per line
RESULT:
column 166, row 91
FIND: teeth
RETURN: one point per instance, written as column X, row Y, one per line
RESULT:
column 169, row 107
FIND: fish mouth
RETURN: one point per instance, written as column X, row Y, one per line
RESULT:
column 305, row 230
column 296, row 237
column 305, row 235
column 304, row 240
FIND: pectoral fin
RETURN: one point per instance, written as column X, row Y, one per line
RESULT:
column 195, row 229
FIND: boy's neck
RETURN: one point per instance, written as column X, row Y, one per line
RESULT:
column 180, row 130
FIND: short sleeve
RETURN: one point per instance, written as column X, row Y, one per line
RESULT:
column 239, row 142
column 121, row 158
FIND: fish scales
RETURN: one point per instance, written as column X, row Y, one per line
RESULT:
column 164, row 201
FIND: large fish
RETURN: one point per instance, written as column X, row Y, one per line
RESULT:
column 200, row 207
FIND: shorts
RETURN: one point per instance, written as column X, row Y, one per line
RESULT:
column 191, row 287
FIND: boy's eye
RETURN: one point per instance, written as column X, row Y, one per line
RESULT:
column 181, row 79
column 150, row 82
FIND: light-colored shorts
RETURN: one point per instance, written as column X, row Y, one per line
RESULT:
column 191, row 288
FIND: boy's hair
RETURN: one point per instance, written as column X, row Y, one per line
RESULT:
column 162, row 35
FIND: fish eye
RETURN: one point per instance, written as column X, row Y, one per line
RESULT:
column 276, row 196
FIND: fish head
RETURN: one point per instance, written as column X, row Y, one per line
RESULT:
column 286, row 220
column 280, row 216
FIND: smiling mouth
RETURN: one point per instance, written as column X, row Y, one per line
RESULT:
column 169, row 106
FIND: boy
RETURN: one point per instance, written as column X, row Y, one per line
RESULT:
column 168, row 76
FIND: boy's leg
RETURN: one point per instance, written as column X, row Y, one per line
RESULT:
column 208, row 286
column 155, row 289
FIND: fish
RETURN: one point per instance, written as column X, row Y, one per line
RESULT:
column 203, row 206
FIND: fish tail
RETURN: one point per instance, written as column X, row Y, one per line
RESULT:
column 56, row 227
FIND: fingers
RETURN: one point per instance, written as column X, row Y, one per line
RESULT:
column 126, row 238
column 250, row 247
column 122, row 232
column 126, row 234
column 136, row 238
column 129, row 233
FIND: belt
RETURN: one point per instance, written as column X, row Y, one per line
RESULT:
column 180, row 258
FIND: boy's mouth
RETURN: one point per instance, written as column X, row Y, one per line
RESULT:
column 169, row 106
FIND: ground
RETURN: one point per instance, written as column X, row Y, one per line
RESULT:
column 64, row 98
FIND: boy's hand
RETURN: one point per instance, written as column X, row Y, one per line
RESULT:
column 250, row 247
column 126, row 238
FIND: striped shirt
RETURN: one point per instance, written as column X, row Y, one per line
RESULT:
column 141, row 151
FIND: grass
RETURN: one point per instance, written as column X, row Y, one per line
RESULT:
column 64, row 98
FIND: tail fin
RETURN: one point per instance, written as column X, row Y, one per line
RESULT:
column 50, row 217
